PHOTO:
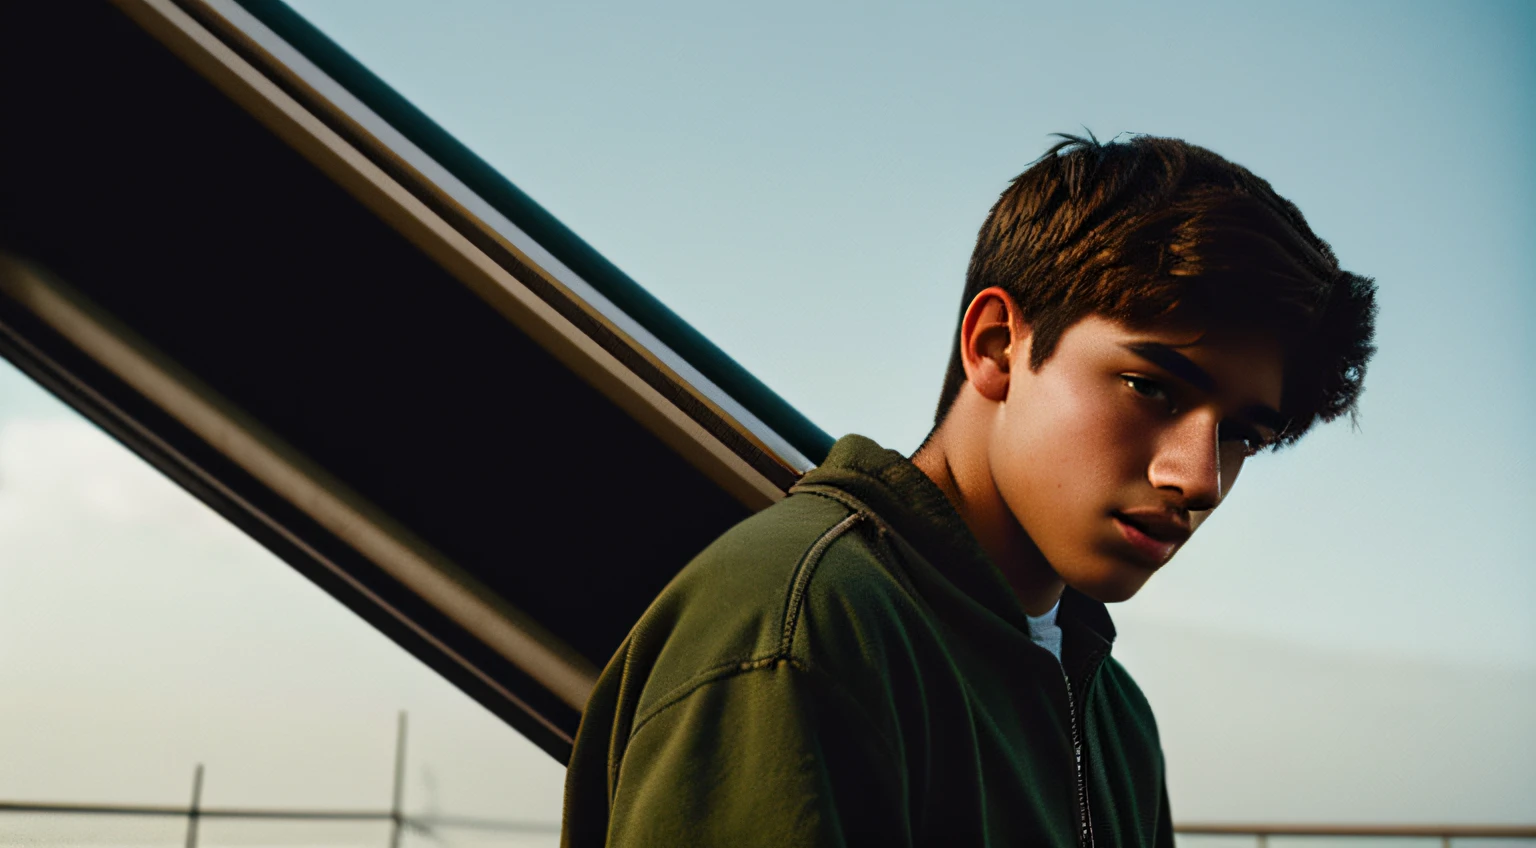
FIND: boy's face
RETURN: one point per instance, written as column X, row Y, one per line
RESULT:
column 1112, row 452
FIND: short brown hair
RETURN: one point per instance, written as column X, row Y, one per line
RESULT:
column 1149, row 228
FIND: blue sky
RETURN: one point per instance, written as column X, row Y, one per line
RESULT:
column 803, row 183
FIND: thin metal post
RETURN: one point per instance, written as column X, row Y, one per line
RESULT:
column 397, row 810
column 1445, row 841
column 1263, row 839
column 197, row 803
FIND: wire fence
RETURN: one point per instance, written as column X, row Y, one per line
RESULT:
column 400, row 824
column 430, row 826
column 1447, row 834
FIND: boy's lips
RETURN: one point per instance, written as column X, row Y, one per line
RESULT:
column 1154, row 533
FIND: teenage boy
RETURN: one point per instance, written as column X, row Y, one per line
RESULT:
column 916, row 652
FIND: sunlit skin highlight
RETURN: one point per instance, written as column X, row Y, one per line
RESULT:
column 1092, row 470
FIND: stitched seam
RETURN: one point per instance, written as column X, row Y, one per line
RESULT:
column 802, row 581
column 832, row 493
column 839, row 496
column 888, row 541
column 796, row 596
column 710, row 675
column 723, row 672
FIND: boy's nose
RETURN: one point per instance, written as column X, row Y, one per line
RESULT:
column 1188, row 461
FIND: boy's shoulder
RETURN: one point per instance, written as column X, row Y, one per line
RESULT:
column 756, row 593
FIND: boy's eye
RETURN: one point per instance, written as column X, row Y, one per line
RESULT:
column 1144, row 387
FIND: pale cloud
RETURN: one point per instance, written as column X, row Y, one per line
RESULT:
column 140, row 634
column 63, row 468
column 1264, row 729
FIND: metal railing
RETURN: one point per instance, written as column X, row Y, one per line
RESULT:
column 195, row 812
column 1443, row 832
column 427, row 825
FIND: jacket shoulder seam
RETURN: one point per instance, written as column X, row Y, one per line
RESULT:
column 887, row 539
column 707, row 676
column 737, row 669
column 800, row 585
column 793, row 602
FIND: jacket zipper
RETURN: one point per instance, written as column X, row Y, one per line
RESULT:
column 1085, row 824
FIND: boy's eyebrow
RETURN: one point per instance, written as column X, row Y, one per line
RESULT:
column 1182, row 367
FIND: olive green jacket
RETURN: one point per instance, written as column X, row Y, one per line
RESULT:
column 847, row 667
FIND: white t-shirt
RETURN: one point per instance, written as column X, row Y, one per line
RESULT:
column 1043, row 629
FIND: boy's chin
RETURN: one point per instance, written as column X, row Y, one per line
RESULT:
column 1110, row 583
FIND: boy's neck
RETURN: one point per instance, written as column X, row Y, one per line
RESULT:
column 955, row 459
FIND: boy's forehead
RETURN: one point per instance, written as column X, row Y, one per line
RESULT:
column 1192, row 335
column 1213, row 359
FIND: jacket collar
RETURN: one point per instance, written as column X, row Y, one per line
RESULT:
column 902, row 496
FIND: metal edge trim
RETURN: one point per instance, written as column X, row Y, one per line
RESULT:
column 348, row 516
column 362, row 178
column 531, row 217
column 450, row 196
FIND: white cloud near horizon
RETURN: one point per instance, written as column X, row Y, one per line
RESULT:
column 141, row 633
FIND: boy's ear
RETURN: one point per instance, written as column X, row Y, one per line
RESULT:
column 992, row 339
